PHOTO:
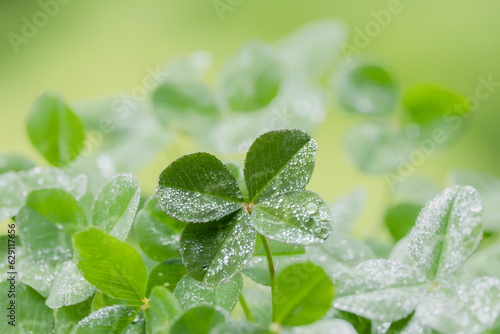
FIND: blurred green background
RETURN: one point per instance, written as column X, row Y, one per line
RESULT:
column 92, row 48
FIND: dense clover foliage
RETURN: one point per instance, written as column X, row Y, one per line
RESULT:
column 224, row 248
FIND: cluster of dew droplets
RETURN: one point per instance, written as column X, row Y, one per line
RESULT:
column 105, row 317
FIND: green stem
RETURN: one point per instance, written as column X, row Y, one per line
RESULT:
column 272, row 273
column 245, row 307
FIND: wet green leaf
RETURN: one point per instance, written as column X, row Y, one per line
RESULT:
column 116, row 204
column 110, row 319
column 198, row 320
column 215, row 252
column 164, row 308
column 12, row 195
column 198, row 188
column 10, row 162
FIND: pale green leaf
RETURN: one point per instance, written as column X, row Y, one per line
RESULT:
column 299, row 217
column 110, row 319
column 215, row 252
column 346, row 209
column 377, row 147
column 365, row 87
column 339, row 252
column 112, row 266
column 470, row 308
column 116, row 204
column 326, row 326
column 157, row 234
column 198, row 320
column 198, row 188
column 12, row 195
column 69, row 287
column 380, row 290
column 52, row 177
column 488, row 188
column 279, row 162
column 190, row 293
column 447, row 232
column 304, row 294
column 251, row 79
column 14, row 163
column 55, row 130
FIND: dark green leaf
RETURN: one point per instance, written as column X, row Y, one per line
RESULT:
column 300, row 217
column 365, row 87
column 278, row 162
column 304, row 294
column 114, row 267
column 251, row 79
column 55, row 130
column 166, row 274
column 400, row 218
column 68, row 316
column 198, row 188
column 214, row 252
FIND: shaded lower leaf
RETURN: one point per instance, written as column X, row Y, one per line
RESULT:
column 68, row 316
column 258, row 270
column 110, row 319
column 12, row 194
column 198, row 320
column 400, row 218
column 373, row 289
column 166, row 274
column 304, row 294
column 157, row 234
column 14, row 163
column 190, row 293
column 112, row 266
column 164, row 308
column 299, row 217
column 215, row 252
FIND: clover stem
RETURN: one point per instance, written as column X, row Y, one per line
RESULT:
column 272, row 273
column 246, row 309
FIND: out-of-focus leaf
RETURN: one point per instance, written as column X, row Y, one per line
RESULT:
column 198, row 320
column 339, row 252
column 237, row 172
column 324, row 326
column 55, row 130
column 39, row 178
column 116, row 204
column 380, row 290
column 304, row 294
column 346, row 210
column 365, row 87
column 157, row 234
column 14, row 163
column 198, row 188
column 488, row 188
column 251, row 79
column 257, row 268
column 447, row 232
column 113, row 266
column 164, row 309
column 215, row 252
column 376, row 147
column 299, row 217
column 12, row 195
column 400, row 218
column 29, row 314
column 312, row 49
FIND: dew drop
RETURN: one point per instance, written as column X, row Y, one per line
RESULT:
column 311, row 208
